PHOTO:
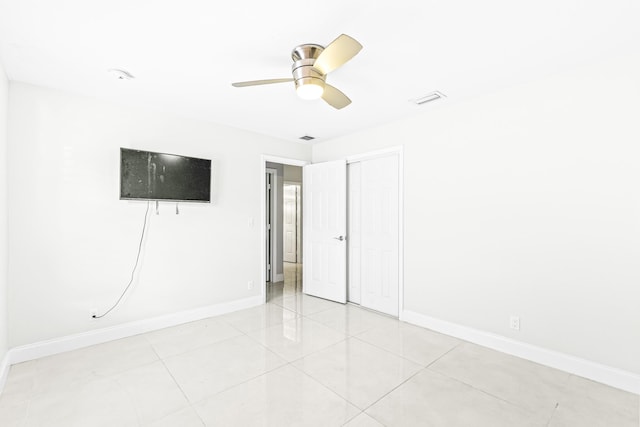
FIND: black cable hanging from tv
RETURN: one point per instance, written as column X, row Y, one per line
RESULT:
column 144, row 227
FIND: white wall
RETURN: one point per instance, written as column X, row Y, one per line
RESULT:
column 292, row 173
column 526, row 202
column 4, row 101
column 73, row 243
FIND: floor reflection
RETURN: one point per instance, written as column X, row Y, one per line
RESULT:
column 292, row 284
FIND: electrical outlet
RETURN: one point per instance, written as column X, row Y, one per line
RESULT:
column 514, row 323
column 250, row 285
column 93, row 312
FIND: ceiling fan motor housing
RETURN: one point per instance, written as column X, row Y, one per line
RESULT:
column 304, row 56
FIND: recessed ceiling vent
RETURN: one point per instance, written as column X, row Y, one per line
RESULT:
column 121, row 74
column 307, row 137
column 433, row 96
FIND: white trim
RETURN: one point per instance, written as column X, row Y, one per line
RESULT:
column 284, row 160
column 601, row 373
column 278, row 277
column 264, row 158
column 4, row 370
column 400, row 230
column 99, row 336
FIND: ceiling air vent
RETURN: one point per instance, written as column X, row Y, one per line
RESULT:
column 433, row 96
column 307, row 138
column 121, row 74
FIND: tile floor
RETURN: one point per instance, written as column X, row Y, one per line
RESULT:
column 302, row 361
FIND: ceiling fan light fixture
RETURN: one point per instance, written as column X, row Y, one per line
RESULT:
column 310, row 88
column 311, row 64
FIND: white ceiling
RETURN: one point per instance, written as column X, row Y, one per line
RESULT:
column 185, row 54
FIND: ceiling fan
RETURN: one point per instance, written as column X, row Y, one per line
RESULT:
column 311, row 65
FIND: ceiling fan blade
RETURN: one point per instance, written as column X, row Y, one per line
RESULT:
column 334, row 97
column 337, row 54
column 260, row 82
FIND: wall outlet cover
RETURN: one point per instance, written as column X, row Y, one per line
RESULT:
column 514, row 323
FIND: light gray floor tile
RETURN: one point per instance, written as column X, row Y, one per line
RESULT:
column 305, row 304
column 20, row 384
column 101, row 402
column 527, row 384
column 189, row 336
column 430, row 399
column 216, row 367
column 588, row 404
column 363, row 420
column 352, row 320
column 357, row 371
column 97, row 361
column 152, row 390
column 139, row 395
column 412, row 342
column 14, row 414
column 281, row 398
column 297, row 338
column 187, row 417
column 260, row 317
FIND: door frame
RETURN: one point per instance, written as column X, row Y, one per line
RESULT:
column 264, row 158
column 399, row 150
column 273, row 204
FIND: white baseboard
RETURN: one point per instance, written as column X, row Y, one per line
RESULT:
column 99, row 336
column 614, row 377
column 278, row 277
column 4, row 370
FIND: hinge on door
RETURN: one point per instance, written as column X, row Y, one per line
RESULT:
column 268, row 226
column 268, row 266
column 268, row 186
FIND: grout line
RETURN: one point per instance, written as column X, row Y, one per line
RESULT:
column 444, row 354
column 175, row 381
column 552, row 414
column 482, row 391
column 392, row 390
column 387, row 351
column 179, row 387
column 240, row 383
column 327, row 388
column 352, row 418
column 517, row 405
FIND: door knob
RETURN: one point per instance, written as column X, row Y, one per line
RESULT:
column 341, row 238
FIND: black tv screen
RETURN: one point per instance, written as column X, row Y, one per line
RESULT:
column 145, row 175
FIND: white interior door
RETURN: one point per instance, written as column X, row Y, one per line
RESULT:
column 378, row 233
column 325, row 248
column 290, row 223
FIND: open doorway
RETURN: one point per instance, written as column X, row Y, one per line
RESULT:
column 282, row 227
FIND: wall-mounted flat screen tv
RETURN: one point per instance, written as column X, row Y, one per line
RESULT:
column 145, row 175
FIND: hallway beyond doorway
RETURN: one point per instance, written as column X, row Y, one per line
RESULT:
column 291, row 285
